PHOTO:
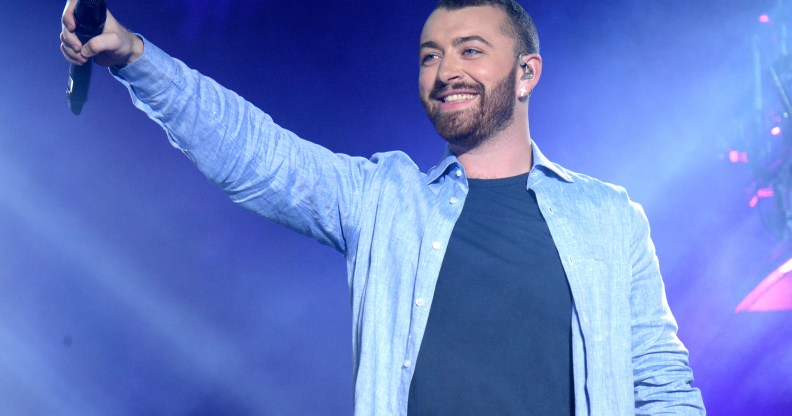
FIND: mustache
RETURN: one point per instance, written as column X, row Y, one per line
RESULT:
column 441, row 89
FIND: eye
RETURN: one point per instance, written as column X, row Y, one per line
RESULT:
column 429, row 58
column 470, row 52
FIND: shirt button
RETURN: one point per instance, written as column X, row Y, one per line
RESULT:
column 453, row 200
column 419, row 302
column 436, row 245
column 407, row 363
column 458, row 173
column 533, row 174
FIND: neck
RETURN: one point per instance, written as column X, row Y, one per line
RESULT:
column 504, row 155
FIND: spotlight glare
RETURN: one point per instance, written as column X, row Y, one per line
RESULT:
column 764, row 19
column 775, row 131
column 786, row 267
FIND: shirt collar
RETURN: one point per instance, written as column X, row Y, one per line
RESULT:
column 450, row 161
column 539, row 159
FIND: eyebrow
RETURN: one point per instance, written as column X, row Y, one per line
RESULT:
column 456, row 42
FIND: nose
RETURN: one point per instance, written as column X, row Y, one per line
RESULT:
column 449, row 70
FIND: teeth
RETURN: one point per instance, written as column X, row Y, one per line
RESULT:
column 458, row 97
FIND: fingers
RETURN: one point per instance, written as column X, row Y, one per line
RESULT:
column 77, row 53
column 108, row 42
column 71, row 56
column 68, row 15
column 72, row 48
column 70, row 40
column 116, row 46
column 70, row 44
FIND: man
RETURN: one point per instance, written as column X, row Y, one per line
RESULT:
column 544, row 290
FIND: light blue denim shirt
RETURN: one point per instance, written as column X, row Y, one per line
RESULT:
column 392, row 223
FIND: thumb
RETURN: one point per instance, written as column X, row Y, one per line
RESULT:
column 106, row 42
column 111, row 49
column 92, row 48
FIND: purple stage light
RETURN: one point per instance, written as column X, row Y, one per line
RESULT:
column 760, row 194
column 774, row 293
column 736, row 156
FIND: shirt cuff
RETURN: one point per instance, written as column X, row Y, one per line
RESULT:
column 151, row 74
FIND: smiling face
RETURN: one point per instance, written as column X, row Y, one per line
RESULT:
column 468, row 74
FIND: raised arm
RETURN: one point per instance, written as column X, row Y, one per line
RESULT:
column 259, row 164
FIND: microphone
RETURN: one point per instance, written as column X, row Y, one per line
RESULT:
column 90, row 16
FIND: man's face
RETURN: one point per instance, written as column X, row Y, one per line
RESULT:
column 467, row 78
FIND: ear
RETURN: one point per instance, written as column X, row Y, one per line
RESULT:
column 529, row 70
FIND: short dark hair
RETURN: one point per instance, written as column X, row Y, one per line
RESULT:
column 521, row 26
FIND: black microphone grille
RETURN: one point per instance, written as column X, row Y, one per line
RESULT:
column 91, row 13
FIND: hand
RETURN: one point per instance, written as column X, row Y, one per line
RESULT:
column 116, row 46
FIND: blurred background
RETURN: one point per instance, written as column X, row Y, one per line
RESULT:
column 129, row 285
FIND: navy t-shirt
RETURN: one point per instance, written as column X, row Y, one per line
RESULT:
column 498, row 339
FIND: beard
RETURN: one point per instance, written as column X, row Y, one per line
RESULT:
column 471, row 127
